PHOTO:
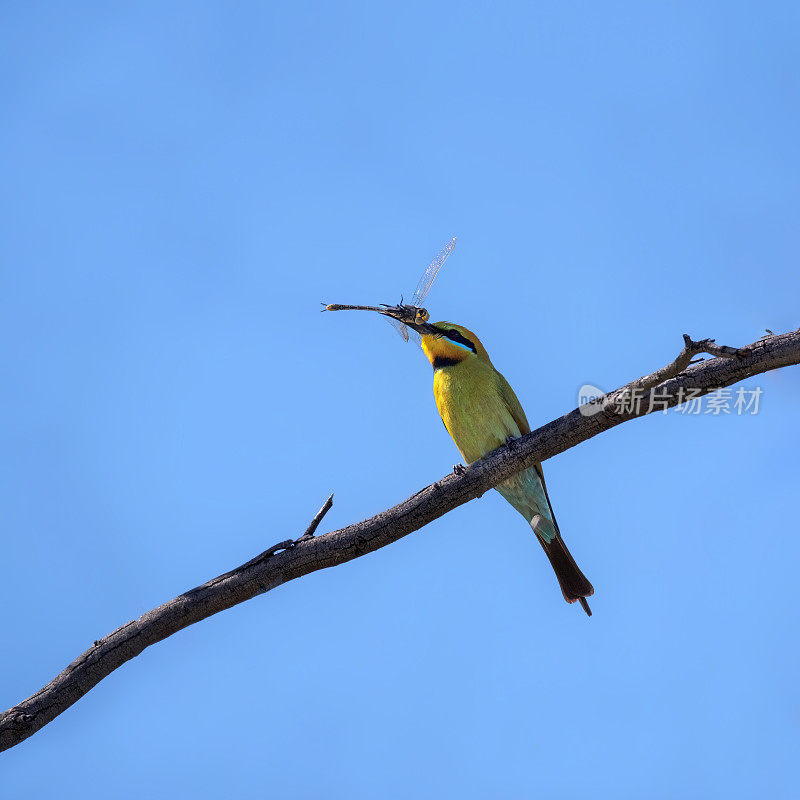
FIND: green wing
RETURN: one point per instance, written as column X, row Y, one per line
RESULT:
column 512, row 404
column 516, row 411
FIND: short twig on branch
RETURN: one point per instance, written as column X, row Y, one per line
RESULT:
column 293, row 558
column 288, row 544
column 326, row 506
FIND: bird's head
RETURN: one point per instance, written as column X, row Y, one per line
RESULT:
column 451, row 344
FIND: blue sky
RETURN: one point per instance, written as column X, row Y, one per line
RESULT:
column 184, row 183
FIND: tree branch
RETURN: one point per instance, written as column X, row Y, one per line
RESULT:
column 292, row 559
column 683, row 360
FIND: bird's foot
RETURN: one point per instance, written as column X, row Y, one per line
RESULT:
column 459, row 469
column 510, row 439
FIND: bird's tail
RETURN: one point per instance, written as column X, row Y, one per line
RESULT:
column 574, row 584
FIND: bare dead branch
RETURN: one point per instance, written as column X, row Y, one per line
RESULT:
column 292, row 559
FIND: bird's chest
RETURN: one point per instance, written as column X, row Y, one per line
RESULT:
column 472, row 409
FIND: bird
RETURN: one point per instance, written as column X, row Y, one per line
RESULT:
column 481, row 412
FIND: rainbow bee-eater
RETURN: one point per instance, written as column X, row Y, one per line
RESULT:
column 481, row 413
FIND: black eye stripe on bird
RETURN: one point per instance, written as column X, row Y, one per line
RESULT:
column 457, row 337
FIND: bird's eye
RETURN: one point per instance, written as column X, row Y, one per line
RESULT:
column 422, row 315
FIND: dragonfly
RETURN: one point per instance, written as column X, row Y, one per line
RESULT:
column 413, row 313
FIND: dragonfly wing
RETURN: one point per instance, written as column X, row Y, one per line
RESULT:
column 426, row 281
column 399, row 327
column 408, row 334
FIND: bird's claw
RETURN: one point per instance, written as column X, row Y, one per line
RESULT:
column 510, row 439
column 459, row 469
